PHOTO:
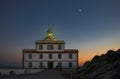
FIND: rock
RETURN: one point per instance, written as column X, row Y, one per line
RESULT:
column 106, row 66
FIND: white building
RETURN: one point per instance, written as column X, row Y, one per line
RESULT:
column 50, row 53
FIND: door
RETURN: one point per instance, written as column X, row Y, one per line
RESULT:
column 50, row 64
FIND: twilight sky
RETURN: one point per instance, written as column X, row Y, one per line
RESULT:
column 92, row 26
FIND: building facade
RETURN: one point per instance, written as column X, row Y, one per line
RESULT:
column 50, row 53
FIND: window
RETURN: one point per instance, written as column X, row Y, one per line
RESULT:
column 50, row 56
column 41, row 56
column 40, row 47
column 50, row 47
column 59, row 56
column 60, row 65
column 40, row 64
column 70, row 64
column 30, row 56
column 30, row 64
column 59, row 47
column 70, row 56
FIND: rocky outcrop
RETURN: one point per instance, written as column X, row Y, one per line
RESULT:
column 106, row 66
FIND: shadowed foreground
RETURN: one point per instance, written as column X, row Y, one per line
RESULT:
column 46, row 74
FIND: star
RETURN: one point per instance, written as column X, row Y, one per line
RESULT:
column 79, row 10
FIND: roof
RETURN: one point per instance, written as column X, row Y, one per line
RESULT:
column 71, row 50
column 65, row 51
column 50, row 42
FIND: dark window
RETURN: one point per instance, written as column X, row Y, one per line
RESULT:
column 59, row 56
column 30, row 56
column 60, row 65
column 41, row 56
column 70, row 56
column 40, row 64
column 50, row 56
column 59, row 47
column 70, row 64
column 50, row 47
column 40, row 47
column 30, row 64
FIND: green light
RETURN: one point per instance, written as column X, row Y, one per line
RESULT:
column 50, row 34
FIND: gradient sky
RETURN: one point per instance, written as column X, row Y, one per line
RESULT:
column 92, row 26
